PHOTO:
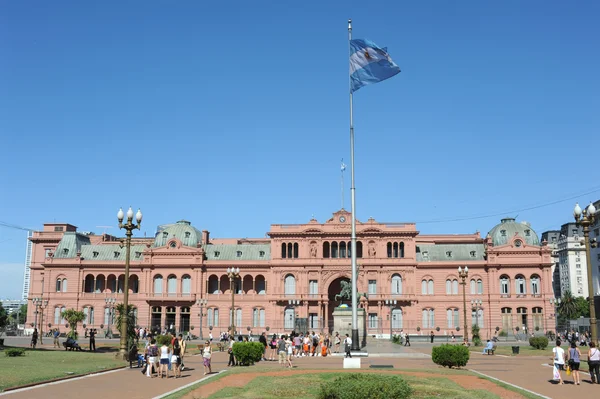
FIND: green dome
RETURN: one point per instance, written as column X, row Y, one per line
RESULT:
column 182, row 230
column 504, row 232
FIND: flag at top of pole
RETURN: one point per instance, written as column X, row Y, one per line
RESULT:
column 369, row 64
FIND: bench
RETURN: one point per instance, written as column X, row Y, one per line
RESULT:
column 70, row 344
column 492, row 351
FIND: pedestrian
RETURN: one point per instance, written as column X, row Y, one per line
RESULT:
column 281, row 350
column 93, row 340
column 152, row 352
column 56, row 334
column 453, row 337
column 34, row 338
column 206, row 355
column 337, row 341
column 263, row 340
column 574, row 362
column 230, row 351
column 348, row 346
column 558, row 358
column 431, row 336
column 176, row 359
column 183, row 346
column 407, row 341
column 165, row 356
column 594, row 362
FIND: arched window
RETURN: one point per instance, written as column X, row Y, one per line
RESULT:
column 58, row 285
column 359, row 250
column 452, row 318
column 342, row 249
column 172, row 285
column 289, row 250
column 389, row 249
column 395, row 250
column 88, row 312
column 100, row 284
column 57, row 315
column 423, row 287
column 213, row 284
column 213, row 316
column 186, row 284
column 111, row 283
column 289, row 319
column 88, row 285
column 402, row 250
column 397, row 321
column 504, row 285
column 448, row 287
column 290, row 285
column 134, row 283
column 334, row 250
column 538, row 318
column 283, row 250
column 507, row 320
column 64, row 285
column 473, row 286
column 349, row 249
column 479, row 286
column 326, row 249
column 295, row 250
column 260, row 285
column 62, row 319
column 121, row 283
column 430, row 287
column 535, row 284
column 396, row 284
column 454, row 287
column 428, row 318
column 520, row 285
column 258, row 317
column 158, row 285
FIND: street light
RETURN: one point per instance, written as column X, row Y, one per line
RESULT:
column 129, row 226
column 391, row 303
column 585, row 219
column 476, row 304
column 110, row 302
column 40, row 303
column 463, row 274
column 233, row 273
column 202, row 303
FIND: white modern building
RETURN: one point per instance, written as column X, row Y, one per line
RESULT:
column 595, row 258
column 27, row 275
column 572, row 260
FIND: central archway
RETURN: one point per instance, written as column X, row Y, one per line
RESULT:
column 334, row 288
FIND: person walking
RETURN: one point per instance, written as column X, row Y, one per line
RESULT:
column 594, row 363
column 230, row 351
column 93, row 340
column 206, row 356
column 558, row 358
column 431, row 336
column 165, row 354
column 282, row 351
column 176, row 359
column 574, row 362
column 337, row 341
column 152, row 353
column 263, row 340
column 348, row 346
column 183, row 346
column 56, row 334
column 34, row 338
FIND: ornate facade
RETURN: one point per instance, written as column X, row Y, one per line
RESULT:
column 289, row 280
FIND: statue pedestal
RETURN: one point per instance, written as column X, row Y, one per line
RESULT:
column 342, row 323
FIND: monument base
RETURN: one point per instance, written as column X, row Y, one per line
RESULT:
column 342, row 323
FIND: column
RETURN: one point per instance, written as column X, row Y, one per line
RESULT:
column 326, row 318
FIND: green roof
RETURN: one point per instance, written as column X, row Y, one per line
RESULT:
column 508, row 227
column 182, row 230
column 230, row 251
column 111, row 252
column 449, row 252
column 70, row 244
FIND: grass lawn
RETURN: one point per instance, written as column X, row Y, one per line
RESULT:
column 526, row 350
column 43, row 365
column 307, row 386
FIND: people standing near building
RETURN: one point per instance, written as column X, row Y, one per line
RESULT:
column 34, row 338
column 337, row 341
column 176, row 359
column 230, row 351
column 206, row 357
column 574, row 362
column 431, row 336
column 558, row 358
column 152, row 354
column 93, row 340
column 165, row 357
column 56, row 334
column 183, row 346
column 348, row 346
column 289, row 345
column 453, row 337
column 282, row 351
column 594, row 363
column 263, row 340
column 297, row 345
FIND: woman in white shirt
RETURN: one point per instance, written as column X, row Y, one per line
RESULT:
column 594, row 363
column 559, row 359
column 165, row 355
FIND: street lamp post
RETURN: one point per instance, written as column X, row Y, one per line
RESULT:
column 36, row 301
column 391, row 303
column 463, row 274
column 129, row 226
column 233, row 273
column 202, row 304
column 110, row 303
column 585, row 219
column 476, row 304
column 43, row 306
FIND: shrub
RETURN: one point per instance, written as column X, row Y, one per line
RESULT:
column 164, row 340
column 450, row 355
column 475, row 334
column 396, row 339
column 248, row 353
column 14, row 352
column 539, row 342
column 365, row 386
column 503, row 333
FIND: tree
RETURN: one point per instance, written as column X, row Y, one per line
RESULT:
column 567, row 308
column 73, row 317
column 21, row 314
column 131, row 335
column 3, row 318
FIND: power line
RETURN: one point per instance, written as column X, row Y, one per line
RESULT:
column 14, row 226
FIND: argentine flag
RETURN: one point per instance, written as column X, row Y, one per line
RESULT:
column 369, row 64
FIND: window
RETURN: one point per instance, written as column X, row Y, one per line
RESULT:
column 430, row 287
column 165, row 234
column 538, row 318
column 289, row 319
column 503, row 233
column 535, row 285
column 238, row 254
column 313, row 321
column 504, row 285
column 258, row 317
column 372, row 286
column 423, row 287
column 290, row 285
column 213, row 316
column 66, row 251
column 186, row 285
column 88, row 312
column 397, row 321
column 56, row 315
column 58, row 285
column 527, row 233
column 172, row 285
column 95, row 254
column 520, row 285
column 187, row 234
column 313, row 287
column 396, row 284
column 448, row 254
column 373, row 320
column 473, row 254
column 455, row 287
column 138, row 254
column 479, row 286
column 507, row 320
column 428, row 318
column 473, row 286
column 217, row 254
column 117, row 253
column 58, row 228
column 158, row 285
column 261, row 254
column 452, row 318
column 452, row 287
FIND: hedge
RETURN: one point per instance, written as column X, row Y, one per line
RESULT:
column 248, row 353
column 14, row 352
column 539, row 342
column 164, row 340
column 450, row 355
column 365, row 386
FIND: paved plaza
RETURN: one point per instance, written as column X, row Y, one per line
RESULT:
column 529, row 372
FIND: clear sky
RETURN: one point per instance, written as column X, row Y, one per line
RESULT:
column 234, row 115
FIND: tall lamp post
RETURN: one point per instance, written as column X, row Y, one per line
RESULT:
column 110, row 303
column 202, row 304
column 391, row 303
column 36, row 301
column 585, row 219
column 555, row 302
column 233, row 273
column 129, row 226
column 463, row 274
column 40, row 303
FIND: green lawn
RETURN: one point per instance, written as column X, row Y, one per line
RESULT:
column 526, row 350
column 43, row 365
column 307, row 386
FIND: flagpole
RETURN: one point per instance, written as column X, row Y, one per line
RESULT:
column 355, row 344
column 343, row 167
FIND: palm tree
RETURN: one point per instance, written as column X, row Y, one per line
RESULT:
column 568, row 306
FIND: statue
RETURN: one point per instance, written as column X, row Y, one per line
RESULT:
column 372, row 250
column 313, row 250
column 346, row 292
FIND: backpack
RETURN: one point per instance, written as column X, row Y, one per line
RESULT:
column 315, row 341
column 153, row 351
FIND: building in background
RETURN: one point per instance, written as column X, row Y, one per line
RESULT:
column 551, row 237
column 572, row 260
column 27, row 272
column 12, row 305
column 510, row 271
column 595, row 259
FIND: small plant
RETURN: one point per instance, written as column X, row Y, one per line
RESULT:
column 475, row 334
column 365, row 386
column 14, row 352
column 72, row 317
column 164, row 340
column 396, row 339
column 538, row 342
column 248, row 353
column 503, row 333
column 450, row 355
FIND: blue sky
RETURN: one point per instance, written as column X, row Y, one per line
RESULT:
column 234, row 115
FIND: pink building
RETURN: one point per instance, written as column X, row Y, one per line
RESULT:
column 509, row 272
